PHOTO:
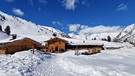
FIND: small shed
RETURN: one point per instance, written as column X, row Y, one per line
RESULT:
column 94, row 48
column 55, row 45
column 18, row 45
column 86, row 45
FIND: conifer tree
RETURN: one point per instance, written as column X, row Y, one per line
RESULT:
column 109, row 38
column 0, row 28
column 7, row 30
column 54, row 34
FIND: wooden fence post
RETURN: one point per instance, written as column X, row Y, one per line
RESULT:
column 33, row 49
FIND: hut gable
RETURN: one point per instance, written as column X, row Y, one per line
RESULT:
column 56, row 39
column 20, row 45
column 56, row 45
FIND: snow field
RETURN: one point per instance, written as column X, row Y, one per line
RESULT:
column 118, row 62
column 107, row 63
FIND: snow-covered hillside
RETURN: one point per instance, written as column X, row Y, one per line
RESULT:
column 127, row 35
column 23, row 27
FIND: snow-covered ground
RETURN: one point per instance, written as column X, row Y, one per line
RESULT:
column 3, row 35
column 120, row 62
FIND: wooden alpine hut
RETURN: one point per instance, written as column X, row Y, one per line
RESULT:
column 18, row 45
column 55, row 45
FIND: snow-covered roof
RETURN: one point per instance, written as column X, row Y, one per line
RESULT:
column 10, row 40
column 82, row 42
column 92, row 42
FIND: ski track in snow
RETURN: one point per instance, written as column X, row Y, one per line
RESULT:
column 48, row 68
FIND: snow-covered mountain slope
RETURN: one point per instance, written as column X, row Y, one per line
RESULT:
column 98, row 36
column 20, row 26
column 127, row 35
column 72, row 35
column 3, row 35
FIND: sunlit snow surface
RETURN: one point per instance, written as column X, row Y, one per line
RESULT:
column 3, row 35
column 119, row 62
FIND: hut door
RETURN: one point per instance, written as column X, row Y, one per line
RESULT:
column 56, row 48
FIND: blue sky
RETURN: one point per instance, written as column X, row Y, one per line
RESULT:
column 74, row 15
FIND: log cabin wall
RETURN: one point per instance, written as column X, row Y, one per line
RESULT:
column 2, row 51
column 2, row 48
column 56, row 46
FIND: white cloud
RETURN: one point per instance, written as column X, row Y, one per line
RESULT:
column 100, row 29
column 83, row 27
column 70, row 4
column 86, row 30
column 18, row 12
column 56, row 23
column 74, row 27
column 122, row 7
column 42, row 1
column 10, row 0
